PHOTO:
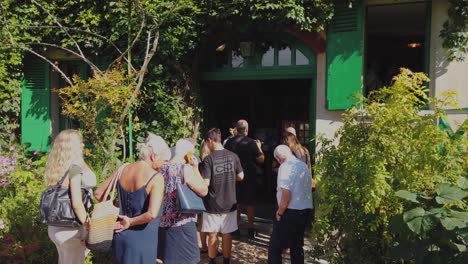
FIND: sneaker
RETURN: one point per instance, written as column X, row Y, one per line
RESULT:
column 251, row 232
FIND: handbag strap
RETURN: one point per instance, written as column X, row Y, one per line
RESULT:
column 111, row 187
column 59, row 183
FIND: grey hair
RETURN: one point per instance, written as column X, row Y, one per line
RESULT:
column 282, row 151
column 242, row 126
column 154, row 144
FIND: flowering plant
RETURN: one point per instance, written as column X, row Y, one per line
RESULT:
column 22, row 238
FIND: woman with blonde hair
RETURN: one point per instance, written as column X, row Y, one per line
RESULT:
column 178, row 232
column 289, row 139
column 65, row 162
column 140, row 192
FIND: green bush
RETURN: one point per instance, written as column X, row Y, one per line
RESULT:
column 433, row 229
column 22, row 238
column 385, row 145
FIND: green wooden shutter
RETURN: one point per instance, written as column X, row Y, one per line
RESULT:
column 344, row 55
column 35, row 105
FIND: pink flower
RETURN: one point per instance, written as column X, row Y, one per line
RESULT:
column 36, row 152
column 12, row 148
column 37, row 177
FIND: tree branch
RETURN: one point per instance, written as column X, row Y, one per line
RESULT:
column 60, row 25
column 92, row 65
column 13, row 44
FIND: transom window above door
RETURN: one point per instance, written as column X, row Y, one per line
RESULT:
column 265, row 53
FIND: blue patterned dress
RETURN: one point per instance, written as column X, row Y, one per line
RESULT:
column 178, row 242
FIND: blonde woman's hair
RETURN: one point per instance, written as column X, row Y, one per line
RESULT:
column 204, row 150
column 154, row 144
column 66, row 150
column 290, row 140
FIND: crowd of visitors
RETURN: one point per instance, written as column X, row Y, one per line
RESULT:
column 151, row 224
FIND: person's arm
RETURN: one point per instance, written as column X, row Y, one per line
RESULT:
column 260, row 157
column 194, row 180
column 238, row 169
column 156, row 195
column 101, row 189
column 75, row 175
column 284, row 203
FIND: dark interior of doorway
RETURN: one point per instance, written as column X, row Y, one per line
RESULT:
column 395, row 38
column 266, row 105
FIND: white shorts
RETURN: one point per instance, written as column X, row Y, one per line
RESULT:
column 219, row 223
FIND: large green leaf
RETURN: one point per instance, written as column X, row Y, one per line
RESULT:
column 419, row 221
column 440, row 212
column 407, row 195
column 450, row 223
column 460, row 215
column 463, row 183
column 447, row 194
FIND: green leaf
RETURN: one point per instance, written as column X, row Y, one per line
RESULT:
column 463, row 216
column 463, row 183
column 450, row 223
column 407, row 195
column 440, row 212
column 419, row 221
column 447, row 193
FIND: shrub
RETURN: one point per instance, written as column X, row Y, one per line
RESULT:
column 385, row 145
column 22, row 238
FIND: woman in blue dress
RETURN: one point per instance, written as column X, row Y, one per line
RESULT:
column 140, row 189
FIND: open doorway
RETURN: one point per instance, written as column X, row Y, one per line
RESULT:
column 396, row 36
column 268, row 106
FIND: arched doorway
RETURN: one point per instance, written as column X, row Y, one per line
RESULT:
column 268, row 80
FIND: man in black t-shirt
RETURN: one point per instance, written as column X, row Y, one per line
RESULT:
column 249, row 153
column 221, row 169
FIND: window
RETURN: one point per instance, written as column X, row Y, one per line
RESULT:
column 395, row 37
column 247, row 53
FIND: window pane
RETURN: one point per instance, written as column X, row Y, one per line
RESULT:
column 268, row 53
column 284, row 55
column 237, row 59
column 301, row 59
column 221, row 56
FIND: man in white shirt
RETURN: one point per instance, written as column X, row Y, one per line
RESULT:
column 294, row 196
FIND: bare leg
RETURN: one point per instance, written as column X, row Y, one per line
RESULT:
column 203, row 237
column 251, row 215
column 213, row 245
column 227, row 245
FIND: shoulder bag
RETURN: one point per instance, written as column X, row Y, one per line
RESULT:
column 189, row 201
column 56, row 206
column 104, row 216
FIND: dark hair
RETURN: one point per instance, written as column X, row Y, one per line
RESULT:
column 213, row 134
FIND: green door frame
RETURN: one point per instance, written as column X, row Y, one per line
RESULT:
column 258, row 72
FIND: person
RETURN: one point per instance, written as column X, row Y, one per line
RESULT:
column 177, row 230
column 66, row 162
column 290, row 139
column 204, row 152
column 294, row 197
column 220, row 170
column 250, row 153
column 140, row 192
column 232, row 133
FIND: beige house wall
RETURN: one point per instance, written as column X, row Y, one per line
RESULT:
column 446, row 75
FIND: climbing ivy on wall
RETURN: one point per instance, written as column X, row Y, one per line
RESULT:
column 455, row 31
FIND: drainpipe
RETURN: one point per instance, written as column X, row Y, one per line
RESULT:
column 129, row 69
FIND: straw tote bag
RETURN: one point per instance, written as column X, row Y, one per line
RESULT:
column 101, row 226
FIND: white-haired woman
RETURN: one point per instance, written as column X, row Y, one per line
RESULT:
column 140, row 192
column 178, row 242
column 65, row 162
